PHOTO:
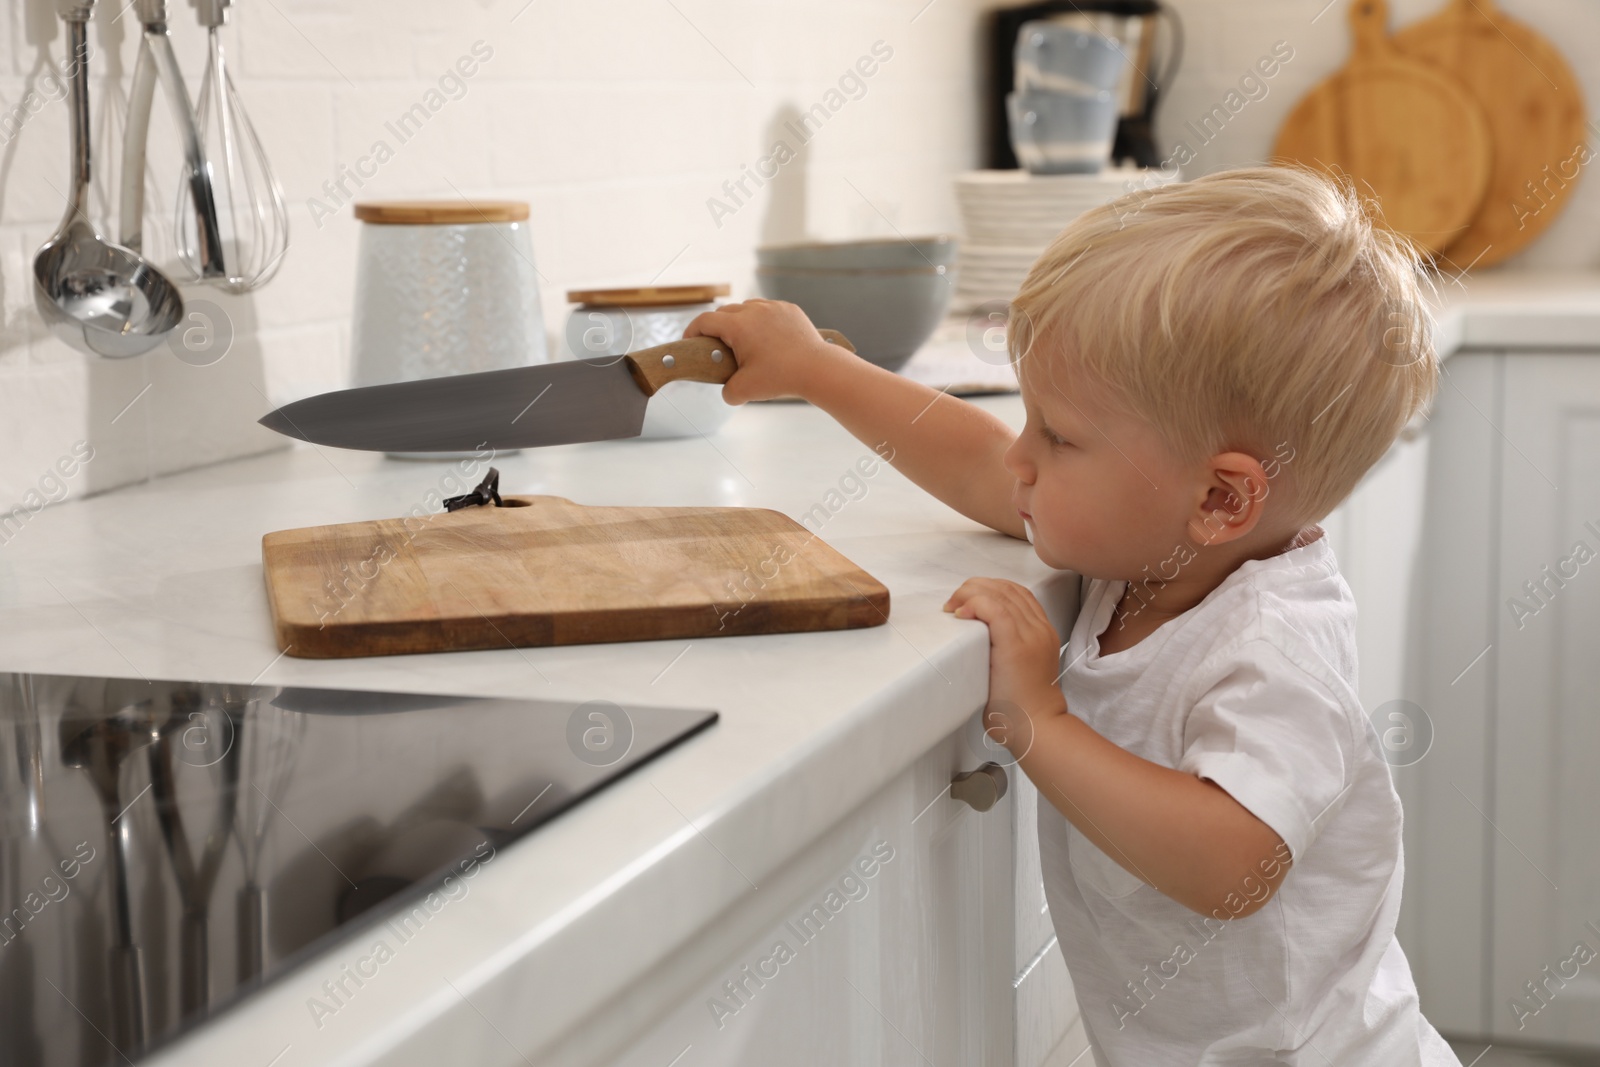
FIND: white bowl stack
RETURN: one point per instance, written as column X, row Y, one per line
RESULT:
column 1011, row 216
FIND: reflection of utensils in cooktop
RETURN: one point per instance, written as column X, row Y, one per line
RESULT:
column 30, row 752
column 269, row 739
column 19, row 1022
column 195, row 881
column 100, row 744
column 356, row 701
column 415, row 852
column 363, row 789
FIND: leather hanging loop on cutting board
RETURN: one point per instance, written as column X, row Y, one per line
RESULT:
column 542, row 570
column 1395, row 124
column 1534, row 107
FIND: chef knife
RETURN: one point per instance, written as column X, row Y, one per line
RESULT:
column 600, row 398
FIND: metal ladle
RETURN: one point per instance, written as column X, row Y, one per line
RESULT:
column 98, row 297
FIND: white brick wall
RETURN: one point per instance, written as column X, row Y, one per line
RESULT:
column 616, row 120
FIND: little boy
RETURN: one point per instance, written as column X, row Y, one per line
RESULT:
column 1207, row 370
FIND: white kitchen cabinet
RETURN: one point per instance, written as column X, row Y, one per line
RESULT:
column 1545, row 859
column 1501, row 836
column 1049, row 1027
column 1445, row 914
column 911, row 933
column 1376, row 535
column 1381, row 541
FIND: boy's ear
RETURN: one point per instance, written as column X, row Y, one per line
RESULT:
column 1233, row 499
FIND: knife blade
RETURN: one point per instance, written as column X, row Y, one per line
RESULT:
column 600, row 398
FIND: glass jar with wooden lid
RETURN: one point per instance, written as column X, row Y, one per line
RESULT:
column 614, row 322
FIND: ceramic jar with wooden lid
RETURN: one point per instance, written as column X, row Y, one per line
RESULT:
column 614, row 322
column 444, row 287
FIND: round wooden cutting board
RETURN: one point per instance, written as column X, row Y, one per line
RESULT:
column 1534, row 107
column 1395, row 124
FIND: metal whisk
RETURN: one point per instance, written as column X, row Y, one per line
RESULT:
column 250, row 210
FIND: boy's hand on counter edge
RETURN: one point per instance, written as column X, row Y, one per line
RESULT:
column 1024, row 656
column 776, row 346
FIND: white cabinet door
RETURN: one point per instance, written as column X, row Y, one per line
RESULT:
column 1445, row 917
column 1377, row 535
column 1049, row 1027
column 1545, row 846
column 1380, row 539
column 1502, row 840
column 892, row 940
column 889, row 941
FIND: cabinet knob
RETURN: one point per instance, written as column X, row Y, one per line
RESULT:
column 982, row 788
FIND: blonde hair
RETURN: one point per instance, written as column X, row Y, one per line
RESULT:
column 1251, row 309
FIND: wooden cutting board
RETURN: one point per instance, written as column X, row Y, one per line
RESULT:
column 1411, row 133
column 1534, row 106
column 546, row 571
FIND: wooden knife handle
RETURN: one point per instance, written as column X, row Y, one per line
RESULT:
column 696, row 359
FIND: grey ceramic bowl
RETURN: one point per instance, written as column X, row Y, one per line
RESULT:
column 886, row 253
column 886, row 314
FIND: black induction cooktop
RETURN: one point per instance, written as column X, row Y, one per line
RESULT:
column 170, row 846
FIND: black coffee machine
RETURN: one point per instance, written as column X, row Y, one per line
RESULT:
column 1133, row 22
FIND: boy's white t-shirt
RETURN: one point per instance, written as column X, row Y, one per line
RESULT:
column 1253, row 688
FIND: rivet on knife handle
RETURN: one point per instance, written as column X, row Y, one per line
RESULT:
column 696, row 359
column 834, row 337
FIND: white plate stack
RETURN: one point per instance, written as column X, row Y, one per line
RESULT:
column 1011, row 216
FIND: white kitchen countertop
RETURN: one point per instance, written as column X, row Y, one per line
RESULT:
column 1519, row 309
column 164, row 580
column 1551, row 309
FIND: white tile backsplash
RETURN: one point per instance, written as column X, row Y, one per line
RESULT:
column 619, row 122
